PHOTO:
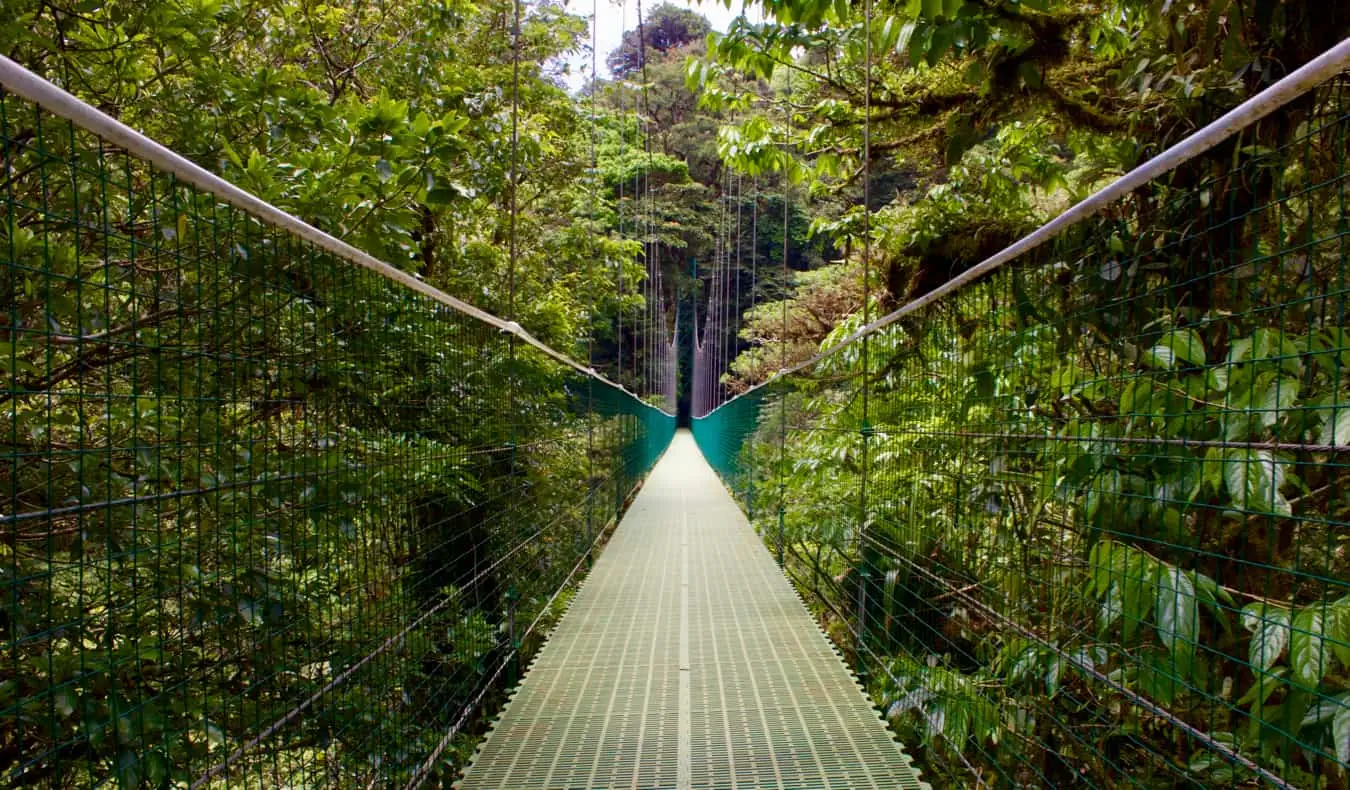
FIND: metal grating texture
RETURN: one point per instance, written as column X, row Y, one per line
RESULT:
column 687, row 660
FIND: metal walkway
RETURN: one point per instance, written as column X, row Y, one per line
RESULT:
column 686, row 660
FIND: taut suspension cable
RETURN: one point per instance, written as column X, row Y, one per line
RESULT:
column 623, row 141
column 644, row 199
column 865, row 429
column 754, row 240
column 594, row 177
column 783, row 330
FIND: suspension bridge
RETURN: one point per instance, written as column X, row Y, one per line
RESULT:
column 687, row 660
column 279, row 514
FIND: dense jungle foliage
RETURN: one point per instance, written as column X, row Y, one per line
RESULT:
column 243, row 479
column 1095, row 526
column 268, row 518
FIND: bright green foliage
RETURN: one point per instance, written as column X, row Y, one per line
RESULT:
column 665, row 28
column 1099, row 84
column 1088, row 522
column 1087, row 527
column 384, row 123
column 269, row 518
column 258, row 503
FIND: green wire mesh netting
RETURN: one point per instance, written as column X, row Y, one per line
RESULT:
column 267, row 519
column 721, row 436
column 1089, row 526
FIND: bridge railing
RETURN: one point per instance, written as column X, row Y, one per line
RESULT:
column 1080, row 517
column 272, row 514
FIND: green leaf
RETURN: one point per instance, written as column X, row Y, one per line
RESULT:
column 1264, row 685
column 902, row 40
column 1280, row 394
column 256, row 163
column 890, row 30
column 1178, row 612
column 1064, row 379
column 1112, row 606
column 1270, row 633
column 1052, row 675
column 1338, row 630
column 1308, row 658
column 1216, row 379
column 1137, row 397
column 939, row 42
column 1322, row 710
column 1185, row 345
column 1273, row 345
column 1336, row 429
column 1210, row 589
column 1156, row 678
column 1215, row 769
column 1340, row 730
column 232, row 155
column 1140, row 577
column 1107, row 560
column 1254, row 479
column 1160, row 356
column 421, row 124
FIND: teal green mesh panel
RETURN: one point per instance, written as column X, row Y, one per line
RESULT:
column 721, row 436
column 1094, row 529
column 266, row 518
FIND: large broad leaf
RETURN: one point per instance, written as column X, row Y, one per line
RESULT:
column 1308, row 656
column 1264, row 685
column 1217, row 379
column 1338, row 630
column 1107, row 561
column 1323, row 710
column 1160, row 356
column 1157, row 677
column 1275, row 346
column 1210, row 591
column 1112, row 607
column 1336, row 429
column 1254, row 479
column 1277, row 395
column 902, row 40
column 1185, row 345
column 1270, row 633
column 889, row 30
column 1178, row 612
column 1137, row 398
column 1340, row 730
column 1140, row 580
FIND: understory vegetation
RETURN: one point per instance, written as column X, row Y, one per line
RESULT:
column 267, row 517
column 1080, row 522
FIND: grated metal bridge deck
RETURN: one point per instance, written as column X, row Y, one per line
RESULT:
column 686, row 660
